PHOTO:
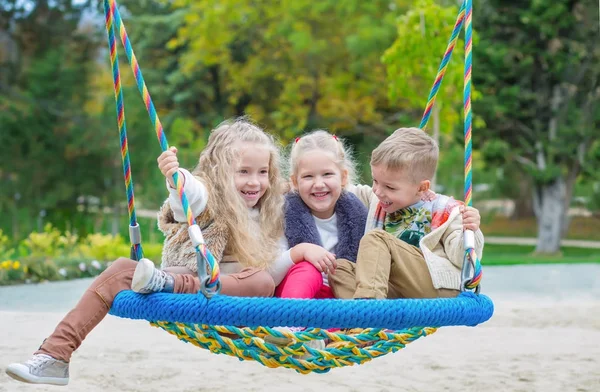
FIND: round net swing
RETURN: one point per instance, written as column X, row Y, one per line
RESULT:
column 355, row 331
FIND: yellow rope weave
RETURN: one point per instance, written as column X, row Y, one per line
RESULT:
column 344, row 348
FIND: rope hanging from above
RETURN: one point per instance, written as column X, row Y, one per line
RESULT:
column 209, row 322
column 206, row 261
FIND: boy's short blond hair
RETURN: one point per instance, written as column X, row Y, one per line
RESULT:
column 410, row 150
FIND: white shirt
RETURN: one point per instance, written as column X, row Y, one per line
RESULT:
column 328, row 233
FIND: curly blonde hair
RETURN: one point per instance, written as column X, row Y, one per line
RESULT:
column 216, row 167
column 326, row 142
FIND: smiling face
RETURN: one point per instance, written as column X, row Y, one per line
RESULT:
column 319, row 182
column 395, row 189
column 252, row 174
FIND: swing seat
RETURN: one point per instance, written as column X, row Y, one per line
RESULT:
column 214, row 324
column 245, row 327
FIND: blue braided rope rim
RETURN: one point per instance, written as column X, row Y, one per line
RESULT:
column 173, row 311
column 467, row 309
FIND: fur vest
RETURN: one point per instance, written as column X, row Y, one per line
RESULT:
column 351, row 218
column 178, row 250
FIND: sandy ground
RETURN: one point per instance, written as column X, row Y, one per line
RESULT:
column 538, row 340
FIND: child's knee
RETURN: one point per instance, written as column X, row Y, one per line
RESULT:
column 306, row 269
column 372, row 236
column 122, row 263
column 264, row 284
column 249, row 282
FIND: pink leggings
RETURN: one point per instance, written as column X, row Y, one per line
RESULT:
column 303, row 280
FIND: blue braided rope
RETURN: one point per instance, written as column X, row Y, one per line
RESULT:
column 467, row 309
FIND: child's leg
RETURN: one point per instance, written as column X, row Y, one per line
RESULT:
column 324, row 293
column 343, row 281
column 249, row 282
column 91, row 309
column 390, row 268
column 410, row 276
column 97, row 300
column 303, row 280
column 49, row 365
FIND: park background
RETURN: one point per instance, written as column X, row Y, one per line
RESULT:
column 359, row 69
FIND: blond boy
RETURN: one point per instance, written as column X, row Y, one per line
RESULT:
column 413, row 242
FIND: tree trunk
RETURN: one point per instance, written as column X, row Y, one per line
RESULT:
column 549, row 198
column 523, row 201
column 550, row 206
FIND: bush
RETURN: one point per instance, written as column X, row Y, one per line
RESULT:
column 153, row 252
column 104, row 247
column 48, row 244
column 12, row 270
column 51, row 255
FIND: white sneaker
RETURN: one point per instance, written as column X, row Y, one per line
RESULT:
column 40, row 369
column 149, row 279
column 281, row 340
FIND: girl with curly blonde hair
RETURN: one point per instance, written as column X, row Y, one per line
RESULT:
column 235, row 193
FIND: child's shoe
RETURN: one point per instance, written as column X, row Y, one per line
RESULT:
column 40, row 369
column 318, row 344
column 282, row 341
column 149, row 279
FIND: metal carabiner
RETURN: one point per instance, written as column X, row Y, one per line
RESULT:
column 204, row 277
column 467, row 269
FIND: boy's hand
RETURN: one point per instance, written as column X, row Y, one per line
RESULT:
column 471, row 218
column 323, row 260
column 428, row 195
column 168, row 164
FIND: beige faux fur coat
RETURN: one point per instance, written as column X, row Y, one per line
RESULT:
column 178, row 250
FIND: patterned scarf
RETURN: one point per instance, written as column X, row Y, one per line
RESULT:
column 412, row 223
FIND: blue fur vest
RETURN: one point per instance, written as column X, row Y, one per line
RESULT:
column 351, row 218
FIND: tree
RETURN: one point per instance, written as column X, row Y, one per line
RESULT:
column 45, row 128
column 540, row 97
column 294, row 65
column 413, row 59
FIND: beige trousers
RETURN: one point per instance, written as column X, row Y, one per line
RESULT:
column 386, row 267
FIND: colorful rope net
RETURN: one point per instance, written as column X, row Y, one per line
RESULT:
column 213, row 322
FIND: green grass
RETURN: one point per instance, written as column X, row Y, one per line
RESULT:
column 581, row 228
column 517, row 254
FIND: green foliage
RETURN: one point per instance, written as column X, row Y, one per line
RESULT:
column 103, row 247
column 359, row 68
column 413, row 59
column 4, row 246
column 52, row 255
column 56, row 150
column 153, row 252
column 540, row 89
column 287, row 64
column 48, row 244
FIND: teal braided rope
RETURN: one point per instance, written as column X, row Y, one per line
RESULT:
column 112, row 13
column 343, row 349
column 443, row 66
column 472, row 256
column 136, row 249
